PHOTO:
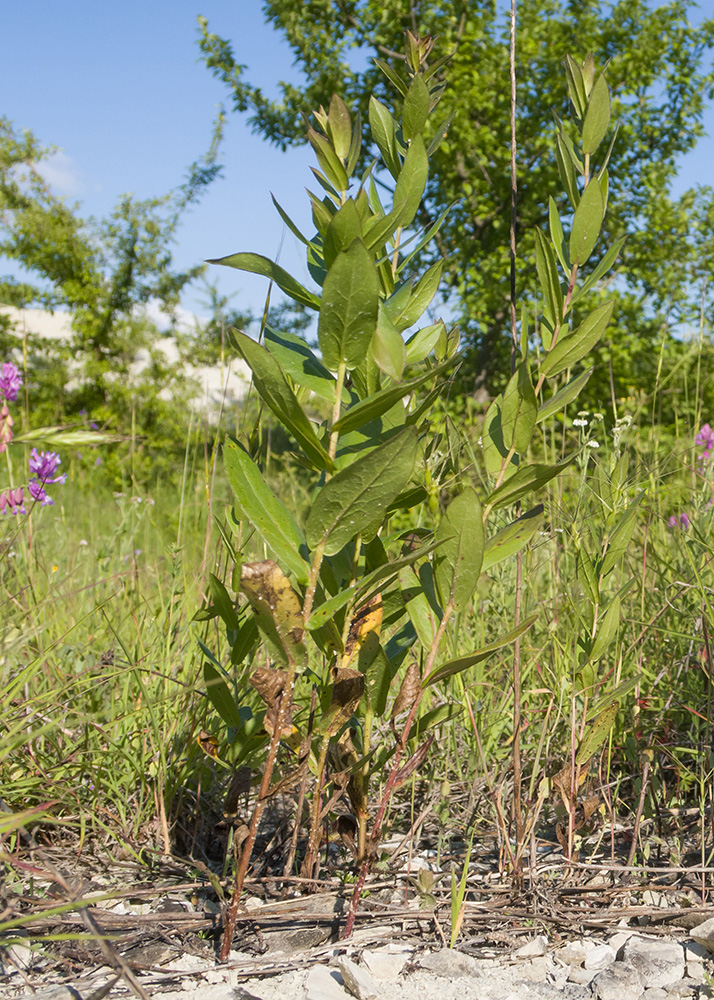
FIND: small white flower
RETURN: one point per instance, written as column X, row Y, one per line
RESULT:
column 83, row 541
column 593, row 444
column 598, row 416
column 580, row 423
column 583, row 413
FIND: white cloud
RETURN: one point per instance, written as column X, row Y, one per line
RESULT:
column 61, row 174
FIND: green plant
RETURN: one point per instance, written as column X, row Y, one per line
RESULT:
column 349, row 616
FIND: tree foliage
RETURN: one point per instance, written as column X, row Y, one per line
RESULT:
column 659, row 75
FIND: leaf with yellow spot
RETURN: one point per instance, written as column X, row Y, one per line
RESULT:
column 363, row 635
column 277, row 610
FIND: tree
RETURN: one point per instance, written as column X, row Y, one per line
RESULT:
column 660, row 78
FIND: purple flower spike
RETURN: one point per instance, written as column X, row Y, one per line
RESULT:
column 705, row 441
column 37, row 492
column 10, row 381
column 682, row 522
column 11, row 501
column 6, row 424
column 43, row 466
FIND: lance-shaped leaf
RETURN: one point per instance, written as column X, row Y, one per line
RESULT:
column 452, row 667
column 411, row 182
column 518, row 410
column 566, row 169
column 355, row 500
column 339, row 126
column 458, row 560
column 526, row 480
column 288, row 221
column 329, row 160
column 558, row 236
column 329, row 608
column 257, row 264
column 345, row 227
column 416, row 108
column 600, row 269
column 268, row 515
column 297, row 360
column 620, row 537
column 422, row 343
column 387, row 347
column 409, row 690
column 597, row 119
column 596, row 733
column 383, row 400
column 564, row 396
column 495, row 451
column 548, row 277
column 350, row 301
column 577, row 90
column 347, row 690
column 273, row 387
column 606, row 629
column 219, row 694
column 418, row 300
column 222, row 602
column 512, row 538
column 277, row 609
column 571, row 348
column 587, row 222
column 384, row 133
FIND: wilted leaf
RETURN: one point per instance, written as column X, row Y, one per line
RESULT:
column 364, row 632
column 347, row 690
column 277, row 608
column 409, row 692
column 272, row 686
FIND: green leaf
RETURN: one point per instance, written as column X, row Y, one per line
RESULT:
column 420, row 613
column 339, row 126
column 355, row 500
column 596, row 733
column 380, row 402
column 571, row 348
column 620, row 537
column 557, row 236
column 606, row 629
column 329, row 160
column 416, row 108
column 222, row 602
column 393, row 77
column 564, row 396
column 587, row 222
column 453, row 667
column 601, row 269
column 384, row 133
column 576, row 86
column 597, row 119
column 512, row 538
column 548, row 278
column 268, row 515
column 344, row 228
column 387, row 346
column 411, row 182
column 518, row 410
column 439, row 135
column 526, row 480
column 220, row 696
column 350, row 301
column 422, row 343
column 388, row 570
column 257, row 264
column 585, row 572
column 427, row 236
column 273, row 387
column 297, row 360
column 566, row 169
column 328, row 609
column 289, row 222
column 457, row 565
column 420, row 298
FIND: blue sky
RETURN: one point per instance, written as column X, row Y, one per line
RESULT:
column 121, row 91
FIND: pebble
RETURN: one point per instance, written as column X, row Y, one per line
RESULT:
column 657, row 962
column 359, row 981
column 533, row 949
column 450, row 964
column 324, row 984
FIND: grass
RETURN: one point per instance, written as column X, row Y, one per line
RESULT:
column 103, row 699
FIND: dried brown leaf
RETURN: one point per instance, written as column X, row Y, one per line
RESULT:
column 409, row 691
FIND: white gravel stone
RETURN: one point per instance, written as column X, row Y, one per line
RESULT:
column 359, row 981
column 599, row 957
column 533, row 949
column 324, row 984
column 657, row 962
column 450, row 964
column 704, row 934
column 581, row 976
column 385, row 964
column 618, row 982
